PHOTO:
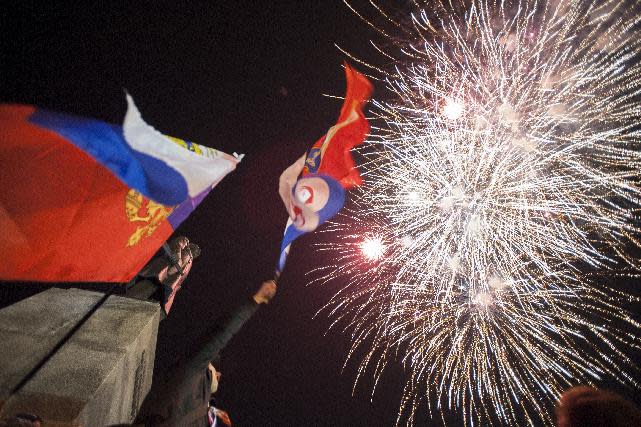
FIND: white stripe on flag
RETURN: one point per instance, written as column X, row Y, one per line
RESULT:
column 200, row 172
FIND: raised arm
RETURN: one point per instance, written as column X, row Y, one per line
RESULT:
column 224, row 328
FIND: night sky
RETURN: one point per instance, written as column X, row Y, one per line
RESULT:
column 235, row 76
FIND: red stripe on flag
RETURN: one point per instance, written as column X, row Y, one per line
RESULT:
column 64, row 216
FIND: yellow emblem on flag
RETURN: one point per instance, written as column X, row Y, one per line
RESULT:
column 186, row 144
column 141, row 209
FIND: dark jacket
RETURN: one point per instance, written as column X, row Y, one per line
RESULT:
column 182, row 399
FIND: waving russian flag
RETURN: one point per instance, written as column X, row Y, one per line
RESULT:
column 84, row 200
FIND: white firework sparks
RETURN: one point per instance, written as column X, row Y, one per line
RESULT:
column 503, row 165
column 373, row 248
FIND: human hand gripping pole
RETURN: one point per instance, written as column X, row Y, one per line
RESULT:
column 173, row 258
column 265, row 293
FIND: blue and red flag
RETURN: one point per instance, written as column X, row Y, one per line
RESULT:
column 313, row 188
column 84, row 200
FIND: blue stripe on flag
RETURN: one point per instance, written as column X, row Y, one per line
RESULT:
column 107, row 145
column 291, row 234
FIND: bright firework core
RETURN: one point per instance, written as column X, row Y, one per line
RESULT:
column 453, row 109
column 373, row 248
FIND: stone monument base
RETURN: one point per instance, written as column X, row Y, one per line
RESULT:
column 99, row 377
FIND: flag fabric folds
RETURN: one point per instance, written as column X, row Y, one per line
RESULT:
column 82, row 200
column 313, row 188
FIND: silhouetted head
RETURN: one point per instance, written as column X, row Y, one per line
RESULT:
column 584, row 406
column 24, row 420
column 194, row 249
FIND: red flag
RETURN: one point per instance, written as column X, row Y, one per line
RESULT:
column 330, row 155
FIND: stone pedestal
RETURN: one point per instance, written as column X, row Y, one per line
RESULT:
column 99, row 377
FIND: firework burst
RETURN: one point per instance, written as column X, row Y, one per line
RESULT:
column 502, row 170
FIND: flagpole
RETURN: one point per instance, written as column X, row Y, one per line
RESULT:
column 279, row 269
column 172, row 257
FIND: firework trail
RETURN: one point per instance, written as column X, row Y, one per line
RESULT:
column 501, row 173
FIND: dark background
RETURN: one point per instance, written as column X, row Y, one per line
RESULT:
column 244, row 76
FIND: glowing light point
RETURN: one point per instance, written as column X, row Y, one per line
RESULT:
column 484, row 299
column 407, row 241
column 458, row 193
column 524, row 144
column 446, row 203
column 455, row 263
column 373, row 249
column 474, row 226
column 413, row 196
column 453, row 109
column 558, row 110
column 497, row 283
